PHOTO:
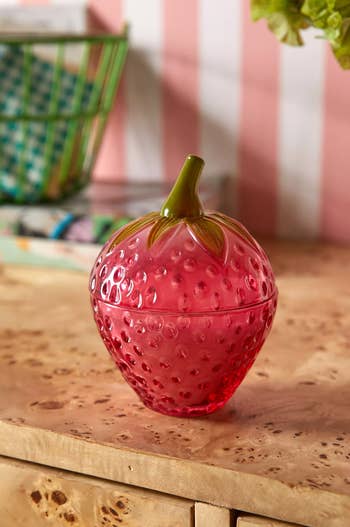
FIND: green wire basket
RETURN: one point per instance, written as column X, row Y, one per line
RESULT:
column 55, row 96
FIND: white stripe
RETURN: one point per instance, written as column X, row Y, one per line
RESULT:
column 302, row 71
column 143, row 90
column 220, row 43
column 58, row 15
column 71, row 3
column 6, row 3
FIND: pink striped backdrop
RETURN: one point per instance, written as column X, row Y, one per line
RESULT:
column 202, row 78
column 258, row 130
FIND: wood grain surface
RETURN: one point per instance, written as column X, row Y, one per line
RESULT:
column 36, row 496
column 255, row 521
column 211, row 516
column 280, row 448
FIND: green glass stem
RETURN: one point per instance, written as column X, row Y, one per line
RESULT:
column 183, row 200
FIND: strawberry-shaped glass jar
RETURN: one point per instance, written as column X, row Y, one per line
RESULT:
column 183, row 300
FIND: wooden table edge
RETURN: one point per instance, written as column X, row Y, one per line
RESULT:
column 183, row 478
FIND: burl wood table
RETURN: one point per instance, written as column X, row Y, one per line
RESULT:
column 79, row 449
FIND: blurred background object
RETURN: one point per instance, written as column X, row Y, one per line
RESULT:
column 92, row 216
column 65, row 234
column 202, row 77
column 289, row 19
column 56, row 92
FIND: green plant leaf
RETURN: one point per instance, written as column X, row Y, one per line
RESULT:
column 333, row 18
column 161, row 226
column 133, row 228
column 284, row 18
column 209, row 234
column 287, row 18
column 342, row 51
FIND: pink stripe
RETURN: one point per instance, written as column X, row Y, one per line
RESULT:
column 258, row 134
column 335, row 193
column 180, row 83
column 107, row 14
column 111, row 162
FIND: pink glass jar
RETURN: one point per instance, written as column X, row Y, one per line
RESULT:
column 185, row 312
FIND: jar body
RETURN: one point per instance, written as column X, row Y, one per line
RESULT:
column 184, row 364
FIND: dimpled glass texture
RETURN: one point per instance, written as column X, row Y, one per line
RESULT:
column 183, row 326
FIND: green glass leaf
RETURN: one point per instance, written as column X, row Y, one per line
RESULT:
column 133, row 228
column 160, row 228
column 236, row 227
column 209, row 234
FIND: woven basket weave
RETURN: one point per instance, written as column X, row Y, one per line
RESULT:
column 53, row 111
